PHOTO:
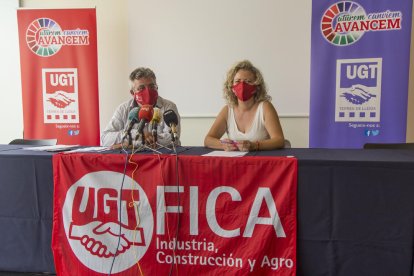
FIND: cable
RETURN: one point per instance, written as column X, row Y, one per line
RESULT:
column 165, row 209
column 124, row 149
column 179, row 215
column 120, row 210
column 133, row 204
column 129, row 160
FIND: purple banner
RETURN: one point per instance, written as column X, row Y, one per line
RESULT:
column 359, row 72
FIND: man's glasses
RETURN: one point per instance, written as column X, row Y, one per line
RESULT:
column 151, row 86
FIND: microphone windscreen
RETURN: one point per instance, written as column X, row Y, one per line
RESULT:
column 133, row 114
column 146, row 112
column 170, row 117
column 156, row 118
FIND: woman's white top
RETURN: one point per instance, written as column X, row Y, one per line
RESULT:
column 256, row 132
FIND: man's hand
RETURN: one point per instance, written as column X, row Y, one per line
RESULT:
column 120, row 145
column 149, row 139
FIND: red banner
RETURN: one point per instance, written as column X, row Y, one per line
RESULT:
column 199, row 215
column 59, row 74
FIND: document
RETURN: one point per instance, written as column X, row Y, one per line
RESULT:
column 226, row 153
column 55, row 148
column 89, row 149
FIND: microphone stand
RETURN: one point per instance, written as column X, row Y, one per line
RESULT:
column 143, row 144
column 173, row 140
column 151, row 149
column 173, row 149
column 162, row 146
column 142, row 137
column 154, row 132
column 147, row 147
column 129, row 139
column 132, row 145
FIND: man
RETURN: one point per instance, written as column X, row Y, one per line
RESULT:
column 144, row 91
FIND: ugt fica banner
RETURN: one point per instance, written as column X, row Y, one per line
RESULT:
column 59, row 75
column 359, row 72
column 188, row 216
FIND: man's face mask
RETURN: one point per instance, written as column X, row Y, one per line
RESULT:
column 146, row 96
column 244, row 91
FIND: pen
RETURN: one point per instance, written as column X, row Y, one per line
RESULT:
column 234, row 143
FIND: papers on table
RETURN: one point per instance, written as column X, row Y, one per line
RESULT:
column 68, row 148
column 89, row 149
column 55, row 148
column 226, row 153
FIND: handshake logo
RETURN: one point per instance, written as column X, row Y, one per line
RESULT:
column 101, row 239
column 104, row 224
column 358, row 90
column 358, row 94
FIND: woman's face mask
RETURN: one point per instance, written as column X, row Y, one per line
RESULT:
column 244, row 91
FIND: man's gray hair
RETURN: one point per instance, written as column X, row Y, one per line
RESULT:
column 142, row 72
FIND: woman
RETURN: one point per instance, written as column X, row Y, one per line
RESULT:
column 249, row 118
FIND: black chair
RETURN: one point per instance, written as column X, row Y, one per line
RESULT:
column 389, row 146
column 34, row 142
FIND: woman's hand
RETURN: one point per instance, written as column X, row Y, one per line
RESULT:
column 244, row 145
column 229, row 145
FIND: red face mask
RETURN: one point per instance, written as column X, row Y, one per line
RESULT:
column 146, row 96
column 244, row 91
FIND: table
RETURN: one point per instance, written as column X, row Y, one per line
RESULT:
column 355, row 210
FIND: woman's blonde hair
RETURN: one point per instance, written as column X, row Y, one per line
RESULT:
column 261, row 90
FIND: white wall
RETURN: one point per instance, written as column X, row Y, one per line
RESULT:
column 192, row 44
column 11, row 116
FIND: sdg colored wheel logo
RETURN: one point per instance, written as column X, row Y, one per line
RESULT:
column 42, row 37
column 335, row 16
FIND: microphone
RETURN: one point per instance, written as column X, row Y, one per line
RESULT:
column 132, row 119
column 154, row 123
column 171, row 119
column 145, row 115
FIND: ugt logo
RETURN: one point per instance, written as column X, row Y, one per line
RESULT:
column 60, row 95
column 97, row 216
column 358, row 90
